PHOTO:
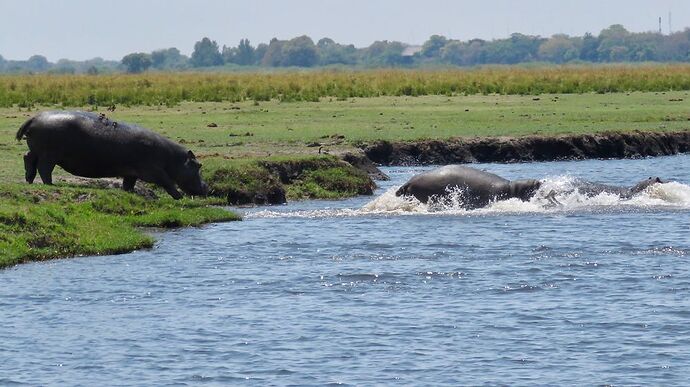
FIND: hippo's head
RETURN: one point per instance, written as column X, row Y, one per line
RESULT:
column 644, row 184
column 189, row 177
column 524, row 189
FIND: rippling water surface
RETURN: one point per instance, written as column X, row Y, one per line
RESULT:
column 379, row 291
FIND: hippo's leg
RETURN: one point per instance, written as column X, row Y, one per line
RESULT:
column 30, row 165
column 128, row 183
column 171, row 190
column 162, row 179
column 45, row 170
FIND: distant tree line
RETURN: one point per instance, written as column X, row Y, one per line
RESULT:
column 39, row 64
column 613, row 44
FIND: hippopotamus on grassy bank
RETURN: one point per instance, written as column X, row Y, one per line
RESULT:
column 478, row 188
column 90, row 145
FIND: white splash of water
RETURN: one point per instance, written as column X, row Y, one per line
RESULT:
column 388, row 203
column 669, row 195
column 324, row 213
column 672, row 195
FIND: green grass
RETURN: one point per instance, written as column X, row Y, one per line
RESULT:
column 294, row 125
column 298, row 177
column 329, row 183
column 40, row 222
column 238, row 180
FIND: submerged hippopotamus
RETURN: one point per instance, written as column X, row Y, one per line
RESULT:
column 90, row 145
column 478, row 188
column 590, row 189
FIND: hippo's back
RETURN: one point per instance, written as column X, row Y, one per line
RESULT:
column 66, row 127
column 90, row 145
column 480, row 186
column 458, row 175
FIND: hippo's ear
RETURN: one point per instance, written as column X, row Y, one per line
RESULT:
column 658, row 180
column 191, row 155
column 192, row 162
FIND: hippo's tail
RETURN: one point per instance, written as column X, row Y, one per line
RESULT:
column 402, row 190
column 22, row 129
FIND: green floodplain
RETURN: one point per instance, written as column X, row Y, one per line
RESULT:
column 242, row 143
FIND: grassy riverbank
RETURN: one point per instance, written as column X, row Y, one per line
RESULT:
column 75, row 217
column 279, row 178
column 244, row 129
column 252, row 151
column 40, row 222
column 222, row 133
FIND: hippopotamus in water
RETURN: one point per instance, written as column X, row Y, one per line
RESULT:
column 90, row 145
column 592, row 189
column 478, row 188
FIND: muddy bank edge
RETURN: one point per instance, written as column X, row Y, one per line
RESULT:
column 611, row 145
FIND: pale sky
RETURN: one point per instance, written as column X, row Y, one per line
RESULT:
column 84, row 29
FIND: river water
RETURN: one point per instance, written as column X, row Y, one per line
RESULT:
column 379, row 291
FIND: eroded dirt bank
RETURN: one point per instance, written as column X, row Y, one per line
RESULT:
column 530, row 148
